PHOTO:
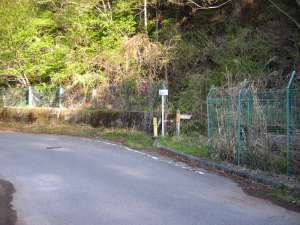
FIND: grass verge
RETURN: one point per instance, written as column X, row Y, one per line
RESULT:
column 130, row 138
column 193, row 144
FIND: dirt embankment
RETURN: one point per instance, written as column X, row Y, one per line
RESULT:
column 8, row 216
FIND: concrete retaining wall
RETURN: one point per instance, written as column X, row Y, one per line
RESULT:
column 96, row 118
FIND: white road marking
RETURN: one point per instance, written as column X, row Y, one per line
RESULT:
column 150, row 156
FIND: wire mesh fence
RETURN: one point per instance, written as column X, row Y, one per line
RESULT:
column 139, row 96
column 14, row 96
column 43, row 96
column 136, row 96
column 76, row 97
column 258, row 130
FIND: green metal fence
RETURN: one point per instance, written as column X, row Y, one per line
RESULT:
column 135, row 96
column 257, row 130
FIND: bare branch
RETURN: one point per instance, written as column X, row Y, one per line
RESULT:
column 209, row 7
column 285, row 13
column 145, row 13
column 206, row 5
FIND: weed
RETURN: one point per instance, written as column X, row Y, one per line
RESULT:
column 283, row 193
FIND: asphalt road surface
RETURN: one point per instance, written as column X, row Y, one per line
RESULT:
column 72, row 180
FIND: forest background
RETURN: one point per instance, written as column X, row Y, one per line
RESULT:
column 190, row 44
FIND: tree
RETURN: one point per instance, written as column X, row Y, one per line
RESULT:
column 16, row 34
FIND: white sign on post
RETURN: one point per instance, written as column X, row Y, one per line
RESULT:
column 185, row 116
column 163, row 93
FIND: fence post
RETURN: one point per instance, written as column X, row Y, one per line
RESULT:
column 288, row 121
column 4, row 96
column 209, row 119
column 30, row 96
column 94, row 94
column 249, row 105
column 239, row 129
column 127, row 96
column 61, row 96
column 155, row 130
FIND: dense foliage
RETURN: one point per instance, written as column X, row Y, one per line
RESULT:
column 191, row 44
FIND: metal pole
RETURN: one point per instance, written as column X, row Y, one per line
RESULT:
column 94, row 94
column 178, row 122
column 288, row 121
column 164, row 88
column 209, row 119
column 61, row 93
column 30, row 96
column 249, row 106
column 4, row 96
column 239, row 126
column 127, row 95
column 163, row 99
column 163, row 115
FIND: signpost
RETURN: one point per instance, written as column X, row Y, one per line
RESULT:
column 163, row 93
column 180, row 117
column 185, row 116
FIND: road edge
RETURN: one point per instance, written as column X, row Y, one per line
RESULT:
column 228, row 169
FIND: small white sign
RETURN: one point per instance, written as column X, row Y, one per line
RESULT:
column 185, row 116
column 164, row 92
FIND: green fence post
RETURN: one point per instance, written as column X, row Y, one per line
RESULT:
column 288, row 121
column 239, row 128
column 209, row 119
column 249, row 105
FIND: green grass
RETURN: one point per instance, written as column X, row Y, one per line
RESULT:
column 283, row 193
column 193, row 144
column 133, row 138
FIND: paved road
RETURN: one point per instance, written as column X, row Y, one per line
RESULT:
column 72, row 180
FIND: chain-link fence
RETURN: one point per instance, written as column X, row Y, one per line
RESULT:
column 14, row 96
column 258, row 130
column 135, row 96
column 43, row 96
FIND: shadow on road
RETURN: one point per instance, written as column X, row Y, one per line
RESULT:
column 8, row 216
